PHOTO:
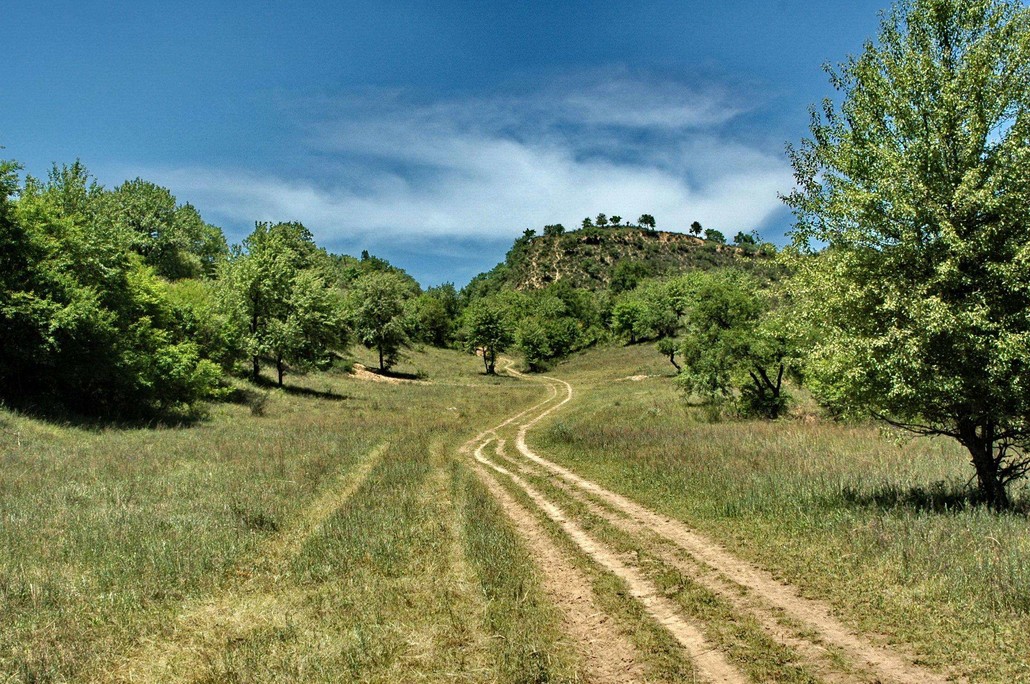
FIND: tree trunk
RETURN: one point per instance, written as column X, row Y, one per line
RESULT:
column 979, row 440
column 253, row 331
column 490, row 359
column 381, row 369
column 281, row 368
column 672, row 360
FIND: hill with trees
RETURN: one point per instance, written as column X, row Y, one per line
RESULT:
column 618, row 257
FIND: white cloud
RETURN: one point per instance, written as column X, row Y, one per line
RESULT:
column 488, row 167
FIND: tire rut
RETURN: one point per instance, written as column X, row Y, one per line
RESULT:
column 241, row 605
column 607, row 656
column 710, row 662
column 886, row 664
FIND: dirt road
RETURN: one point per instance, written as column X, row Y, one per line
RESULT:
column 826, row 649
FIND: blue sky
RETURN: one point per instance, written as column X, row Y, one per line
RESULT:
column 430, row 133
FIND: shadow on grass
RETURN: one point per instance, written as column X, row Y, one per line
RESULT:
column 397, row 375
column 58, row 413
column 248, row 395
column 937, row 497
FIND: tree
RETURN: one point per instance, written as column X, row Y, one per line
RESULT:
column 627, row 274
column 432, row 315
column 616, row 220
column 587, row 223
column 731, row 342
column 259, row 281
column 376, row 304
column 84, row 323
column 601, row 220
column 488, row 330
column 173, row 239
column 554, row 230
column 532, row 339
column 312, row 325
column 918, row 185
column 715, row 236
column 695, row 228
column 627, row 314
column 742, row 239
column 647, row 221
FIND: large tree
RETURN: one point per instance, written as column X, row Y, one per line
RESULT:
column 916, row 187
column 261, row 283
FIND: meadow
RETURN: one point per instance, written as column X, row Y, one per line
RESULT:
column 876, row 523
column 300, row 534
column 340, row 530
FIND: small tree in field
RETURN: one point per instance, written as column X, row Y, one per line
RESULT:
column 601, row 220
column 695, row 228
column 376, row 306
column 488, row 330
column 918, row 184
column 647, row 221
column 732, row 344
column 616, row 221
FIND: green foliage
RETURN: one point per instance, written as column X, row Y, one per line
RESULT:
column 695, row 228
column 731, row 343
column 376, row 305
column 432, row 315
column 278, row 295
column 554, row 230
column 742, row 239
column 715, row 236
column 919, row 185
column 173, row 239
column 203, row 320
column 647, row 221
column 532, row 339
column 84, row 323
column 488, row 329
column 627, row 314
column 627, row 274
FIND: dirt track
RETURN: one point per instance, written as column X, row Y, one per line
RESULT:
column 827, row 648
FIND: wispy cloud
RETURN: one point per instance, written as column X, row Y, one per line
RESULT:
column 485, row 167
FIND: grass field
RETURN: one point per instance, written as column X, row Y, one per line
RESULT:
column 338, row 531
column 232, row 550
column 879, row 528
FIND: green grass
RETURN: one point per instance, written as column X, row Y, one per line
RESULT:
column 526, row 625
column 109, row 536
column 739, row 635
column 332, row 530
column 873, row 525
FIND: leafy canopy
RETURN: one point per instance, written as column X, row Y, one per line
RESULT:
column 918, row 185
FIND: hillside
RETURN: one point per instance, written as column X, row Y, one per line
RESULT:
column 616, row 258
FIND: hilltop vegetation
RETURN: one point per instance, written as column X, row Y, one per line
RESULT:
column 617, row 257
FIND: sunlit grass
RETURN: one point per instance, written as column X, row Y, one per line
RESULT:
column 108, row 534
column 878, row 526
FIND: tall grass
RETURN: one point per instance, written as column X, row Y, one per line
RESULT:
column 880, row 526
column 109, row 534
